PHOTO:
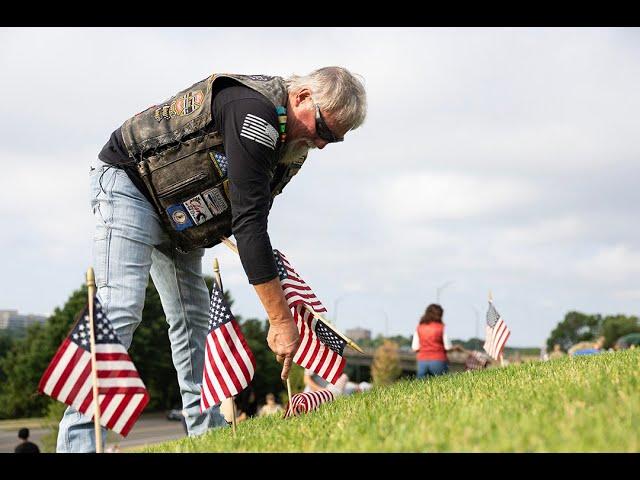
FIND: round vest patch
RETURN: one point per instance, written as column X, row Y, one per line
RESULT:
column 184, row 105
column 179, row 217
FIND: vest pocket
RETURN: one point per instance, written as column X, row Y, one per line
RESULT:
column 190, row 192
column 176, row 187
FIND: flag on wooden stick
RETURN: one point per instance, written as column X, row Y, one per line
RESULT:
column 121, row 393
column 321, row 348
column 229, row 363
column 496, row 333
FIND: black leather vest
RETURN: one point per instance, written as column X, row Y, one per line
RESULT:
column 180, row 158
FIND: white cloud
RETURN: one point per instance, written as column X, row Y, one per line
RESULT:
column 611, row 264
column 424, row 196
column 633, row 295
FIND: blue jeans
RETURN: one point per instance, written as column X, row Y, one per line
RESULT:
column 129, row 243
column 427, row 368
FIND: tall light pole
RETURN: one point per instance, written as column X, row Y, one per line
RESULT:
column 440, row 288
column 386, row 323
column 335, row 307
column 477, row 324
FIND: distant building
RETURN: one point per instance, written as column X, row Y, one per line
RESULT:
column 356, row 334
column 11, row 319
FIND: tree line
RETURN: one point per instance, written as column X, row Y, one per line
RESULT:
column 580, row 327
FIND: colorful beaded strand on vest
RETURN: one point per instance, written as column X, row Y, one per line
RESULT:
column 282, row 122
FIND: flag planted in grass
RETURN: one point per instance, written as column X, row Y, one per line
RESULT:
column 121, row 394
column 229, row 364
column 476, row 361
column 321, row 348
column 496, row 334
column 306, row 401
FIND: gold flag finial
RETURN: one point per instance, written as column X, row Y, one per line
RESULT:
column 91, row 279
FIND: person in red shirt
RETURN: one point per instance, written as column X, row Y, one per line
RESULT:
column 431, row 343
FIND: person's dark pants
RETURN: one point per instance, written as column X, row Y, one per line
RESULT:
column 428, row 368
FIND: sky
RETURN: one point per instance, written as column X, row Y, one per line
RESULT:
column 502, row 160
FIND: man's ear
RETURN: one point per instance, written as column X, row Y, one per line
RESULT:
column 302, row 95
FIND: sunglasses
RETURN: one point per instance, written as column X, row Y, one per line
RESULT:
column 323, row 131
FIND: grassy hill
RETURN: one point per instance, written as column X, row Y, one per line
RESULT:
column 582, row 404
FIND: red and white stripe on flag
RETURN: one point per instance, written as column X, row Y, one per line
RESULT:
column 312, row 353
column 306, row 401
column 229, row 365
column 495, row 338
column 296, row 291
column 121, row 393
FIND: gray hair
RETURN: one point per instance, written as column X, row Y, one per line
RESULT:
column 337, row 91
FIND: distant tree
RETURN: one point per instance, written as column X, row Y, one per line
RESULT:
column 296, row 378
column 386, row 363
column 6, row 342
column 576, row 327
column 373, row 343
column 615, row 326
column 471, row 344
column 51, row 422
column 28, row 358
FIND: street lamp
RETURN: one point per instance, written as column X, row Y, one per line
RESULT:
column 335, row 307
column 386, row 323
column 477, row 326
column 442, row 287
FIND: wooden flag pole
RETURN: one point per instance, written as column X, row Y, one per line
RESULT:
column 91, row 292
column 218, row 279
column 501, row 356
column 289, row 389
column 350, row 342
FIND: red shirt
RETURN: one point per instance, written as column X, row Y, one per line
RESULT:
column 431, row 342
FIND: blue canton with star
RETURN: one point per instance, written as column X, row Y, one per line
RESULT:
column 492, row 315
column 282, row 271
column 104, row 332
column 222, row 163
column 329, row 337
column 219, row 311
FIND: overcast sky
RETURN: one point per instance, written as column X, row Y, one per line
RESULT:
column 491, row 159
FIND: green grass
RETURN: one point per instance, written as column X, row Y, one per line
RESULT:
column 15, row 424
column 582, row 404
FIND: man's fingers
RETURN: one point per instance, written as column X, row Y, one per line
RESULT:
column 285, row 368
column 280, row 358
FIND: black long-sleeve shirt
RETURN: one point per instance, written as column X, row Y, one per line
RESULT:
column 235, row 110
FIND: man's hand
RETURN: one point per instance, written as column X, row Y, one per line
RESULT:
column 283, row 337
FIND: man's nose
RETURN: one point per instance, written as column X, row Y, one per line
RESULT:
column 320, row 144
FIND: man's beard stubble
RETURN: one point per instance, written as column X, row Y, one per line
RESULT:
column 295, row 150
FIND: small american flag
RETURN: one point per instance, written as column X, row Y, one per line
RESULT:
column 476, row 361
column 121, row 393
column 306, row 401
column 229, row 363
column 496, row 334
column 320, row 347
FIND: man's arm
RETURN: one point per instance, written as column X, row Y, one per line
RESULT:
column 239, row 113
column 283, row 337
